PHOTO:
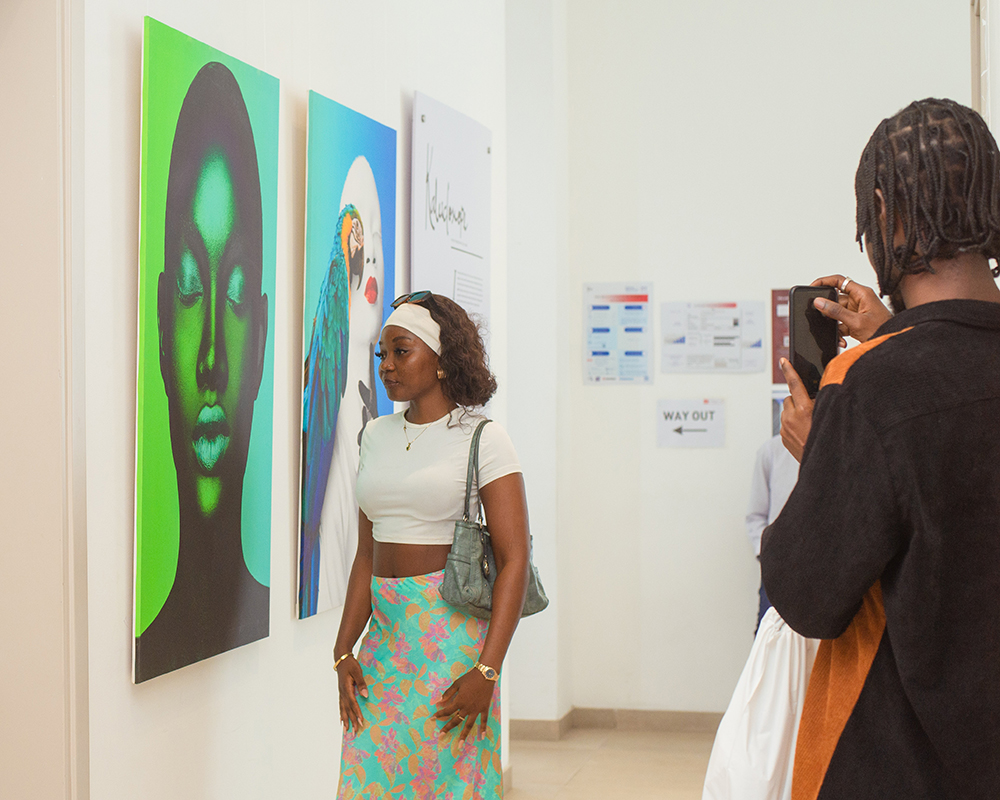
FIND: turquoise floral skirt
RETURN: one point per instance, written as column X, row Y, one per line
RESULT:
column 416, row 646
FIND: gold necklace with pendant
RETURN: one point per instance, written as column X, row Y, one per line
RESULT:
column 409, row 442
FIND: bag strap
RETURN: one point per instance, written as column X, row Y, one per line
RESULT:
column 473, row 471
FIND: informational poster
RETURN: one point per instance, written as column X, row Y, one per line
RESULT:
column 349, row 286
column 713, row 337
column 618, row 337
column 205, row 384
column 779, row 332
column 450, row 206
column 691, row 423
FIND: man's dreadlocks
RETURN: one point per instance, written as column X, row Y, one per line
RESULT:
column 938, row 169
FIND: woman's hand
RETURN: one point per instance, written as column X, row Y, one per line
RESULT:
column 858, row 310
column 357, row 611
column 467, row 699
column 351, row 682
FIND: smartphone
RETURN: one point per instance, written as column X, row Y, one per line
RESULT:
column 812, row 338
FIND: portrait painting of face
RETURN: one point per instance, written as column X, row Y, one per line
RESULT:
column 205, row 375
column 349, row 286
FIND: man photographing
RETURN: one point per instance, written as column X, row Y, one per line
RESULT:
column 889, row 546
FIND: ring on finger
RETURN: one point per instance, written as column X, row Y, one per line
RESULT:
column 843, row 286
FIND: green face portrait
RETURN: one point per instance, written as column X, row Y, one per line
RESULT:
column 205, row 387
column 211, row 313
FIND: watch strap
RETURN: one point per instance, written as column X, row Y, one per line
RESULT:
column 488, row 672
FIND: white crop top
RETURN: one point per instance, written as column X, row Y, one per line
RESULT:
column 415, row 496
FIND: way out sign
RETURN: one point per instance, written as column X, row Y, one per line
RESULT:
column 691, row 423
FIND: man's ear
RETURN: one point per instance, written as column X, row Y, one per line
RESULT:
column 898, row 234
column 880, row 202
column 260, row 341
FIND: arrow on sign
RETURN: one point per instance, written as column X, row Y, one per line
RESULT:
column 682, row 430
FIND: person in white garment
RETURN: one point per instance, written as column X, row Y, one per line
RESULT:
column 775, row 472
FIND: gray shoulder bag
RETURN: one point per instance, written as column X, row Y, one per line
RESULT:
column 471, row 569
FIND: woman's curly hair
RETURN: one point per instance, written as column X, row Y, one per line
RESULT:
column 467, row 378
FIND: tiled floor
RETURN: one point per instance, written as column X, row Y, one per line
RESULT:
column 623, row 765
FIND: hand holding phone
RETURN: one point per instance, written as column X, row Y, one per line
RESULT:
column 812, row 342
column 859, row 311
column 796, row 412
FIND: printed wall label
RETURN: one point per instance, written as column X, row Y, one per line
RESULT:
column 691, row 423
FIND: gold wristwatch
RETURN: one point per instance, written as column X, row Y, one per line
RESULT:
column 488, row 672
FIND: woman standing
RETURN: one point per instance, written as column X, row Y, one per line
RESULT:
column 418, row 707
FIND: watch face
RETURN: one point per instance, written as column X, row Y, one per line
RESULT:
column 490, row 673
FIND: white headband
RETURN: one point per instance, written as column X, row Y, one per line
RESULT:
column 418, row 321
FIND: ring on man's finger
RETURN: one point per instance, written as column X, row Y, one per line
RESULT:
column 843, row 286
column 460, row 717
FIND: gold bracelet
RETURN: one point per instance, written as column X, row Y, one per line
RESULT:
column 336, row 663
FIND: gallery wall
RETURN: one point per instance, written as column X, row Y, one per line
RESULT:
column 709, row 148
column 260, row 721
column 43, row 666
column 539, row 349
column 712, row 150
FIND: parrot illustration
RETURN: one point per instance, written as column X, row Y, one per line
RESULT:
column 325, row 383
column 340, row 393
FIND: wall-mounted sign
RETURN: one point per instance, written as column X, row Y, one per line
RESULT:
column 713, row 337
column 617, row 336
column 691, row 423
column 450, row 206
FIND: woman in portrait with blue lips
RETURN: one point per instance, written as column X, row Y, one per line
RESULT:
column 212, row 321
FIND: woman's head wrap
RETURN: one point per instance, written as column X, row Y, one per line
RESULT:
column 418, row 321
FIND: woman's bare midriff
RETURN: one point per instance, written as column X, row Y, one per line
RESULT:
column 391, row 560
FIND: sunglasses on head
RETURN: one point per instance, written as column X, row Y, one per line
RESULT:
column 412, row 297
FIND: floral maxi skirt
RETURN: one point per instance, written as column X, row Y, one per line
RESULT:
column 416, row 646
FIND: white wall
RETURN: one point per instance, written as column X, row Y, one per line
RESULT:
column 538, row 272
column 712, row 150
column 989, row 49
column 259, row 722
column 43, row 675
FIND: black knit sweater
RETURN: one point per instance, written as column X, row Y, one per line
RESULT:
column 889, row 547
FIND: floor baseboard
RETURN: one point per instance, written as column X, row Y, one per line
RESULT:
column 615, row 719
column 540, row 730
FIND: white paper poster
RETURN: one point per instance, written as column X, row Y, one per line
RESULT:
column 618, row 336
column 691, row 423
column 450, row 206
column 713, row 337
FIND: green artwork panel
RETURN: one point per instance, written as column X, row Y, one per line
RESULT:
column 205, row 383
